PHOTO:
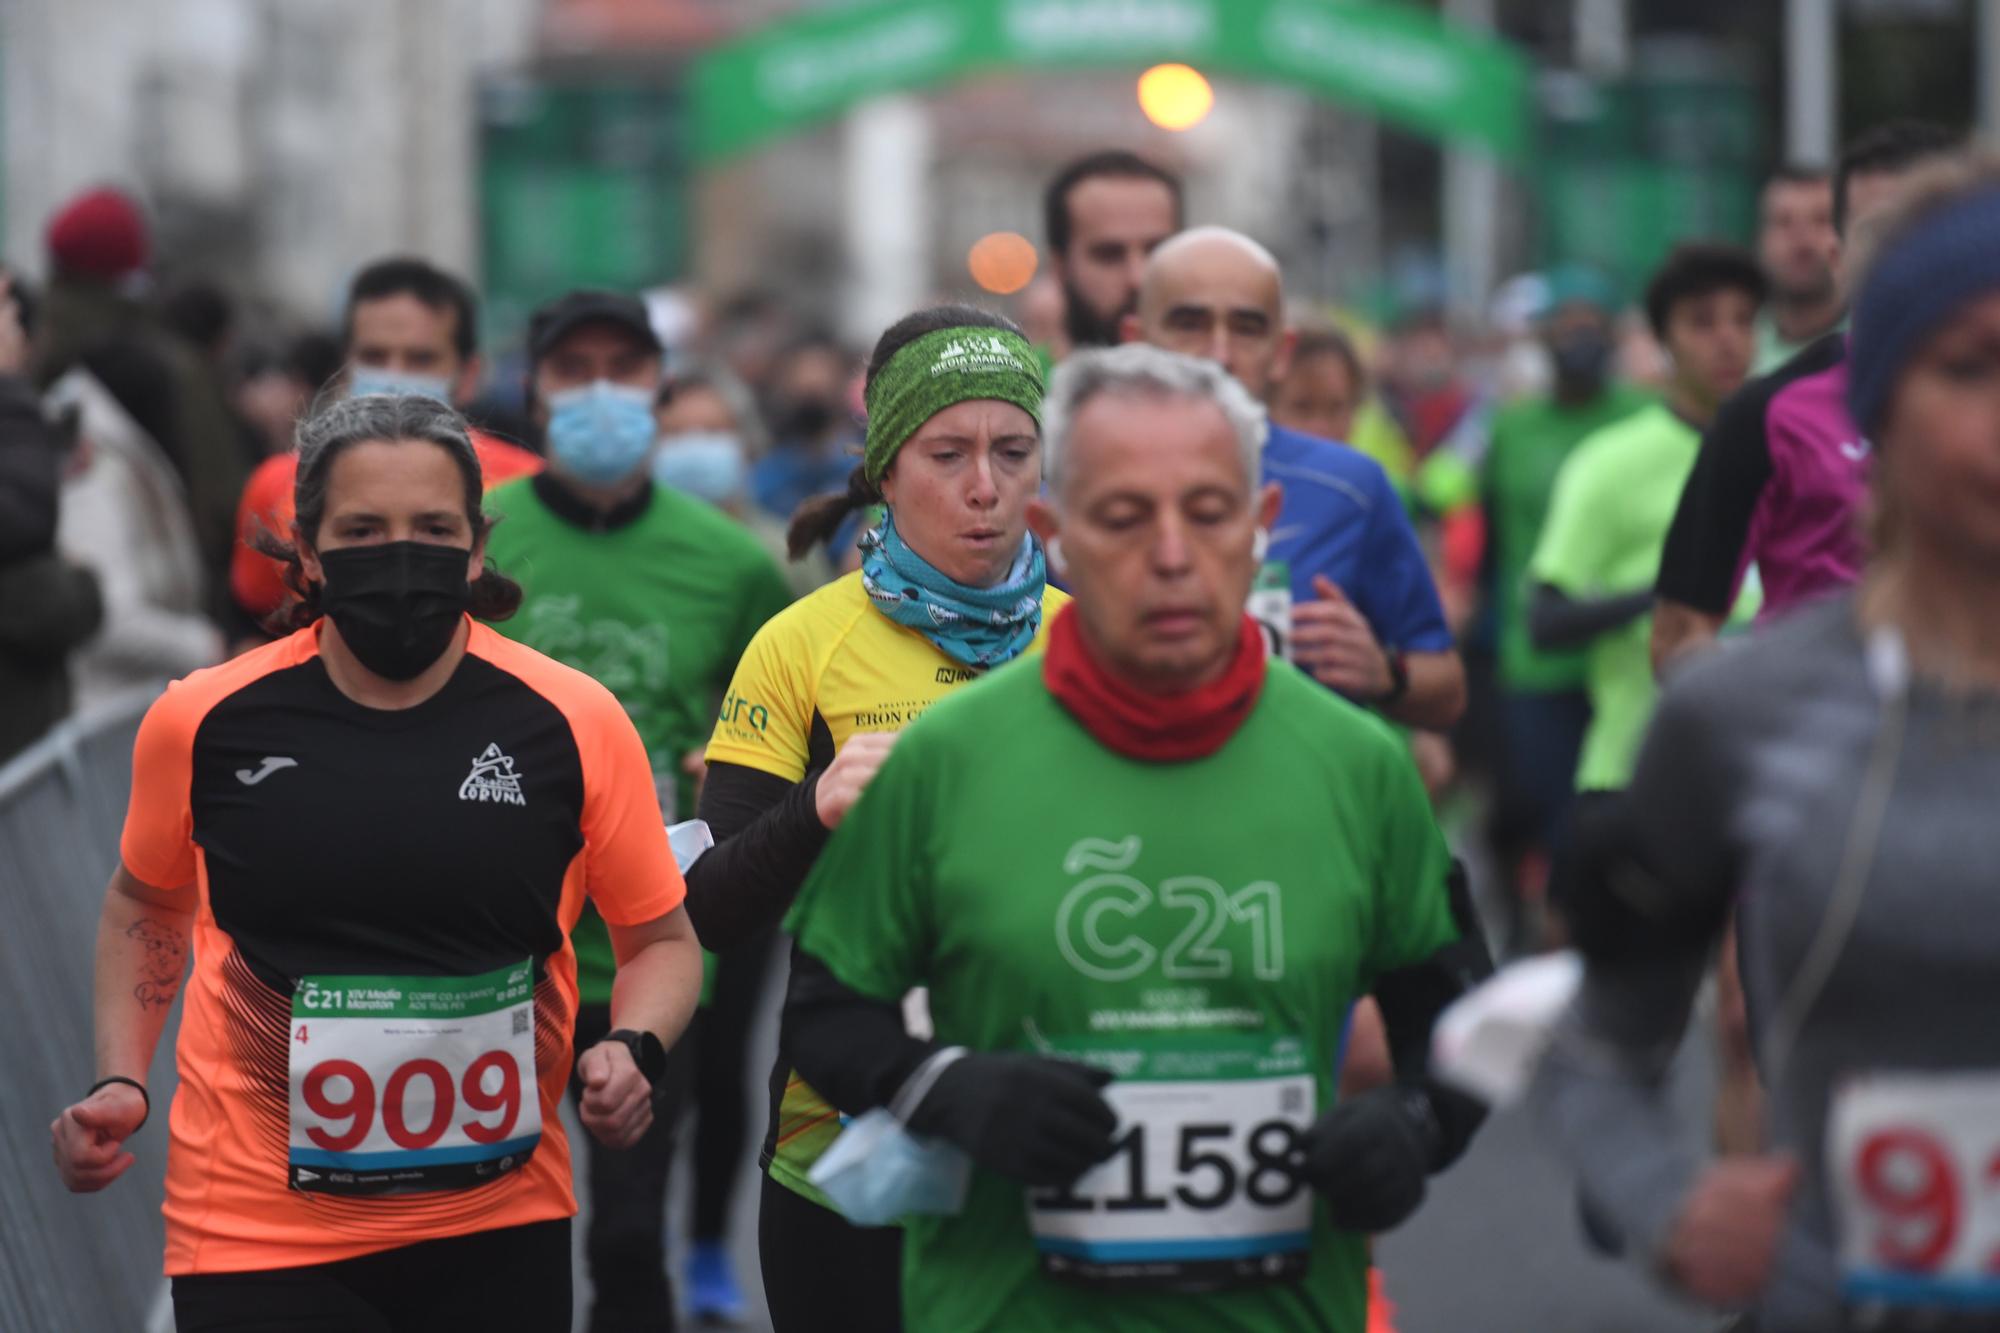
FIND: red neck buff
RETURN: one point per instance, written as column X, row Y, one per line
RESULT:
column 1158, row 728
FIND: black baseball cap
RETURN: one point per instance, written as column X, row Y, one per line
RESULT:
column 553, row 320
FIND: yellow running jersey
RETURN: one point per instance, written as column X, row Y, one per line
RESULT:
column 828, row 666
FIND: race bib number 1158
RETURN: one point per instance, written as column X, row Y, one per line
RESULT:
column 412, row 1083
column 1200, row 1192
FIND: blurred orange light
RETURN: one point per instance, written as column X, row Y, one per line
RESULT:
column 1002, row 261
column 1175, row 97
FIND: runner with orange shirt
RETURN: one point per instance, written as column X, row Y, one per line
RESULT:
column 374, row 836
column 410, row 328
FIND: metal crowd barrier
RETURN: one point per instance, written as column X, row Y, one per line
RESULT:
column 69, row 1262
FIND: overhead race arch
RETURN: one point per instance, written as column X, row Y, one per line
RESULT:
column 1401, row 62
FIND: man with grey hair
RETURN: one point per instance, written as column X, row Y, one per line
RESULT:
column 1172, row 1143
column 1364, row 615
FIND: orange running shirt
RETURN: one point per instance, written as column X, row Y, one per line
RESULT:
column 325, row 839
column 257, row 581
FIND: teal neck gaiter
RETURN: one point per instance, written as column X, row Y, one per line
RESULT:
column 978, row 627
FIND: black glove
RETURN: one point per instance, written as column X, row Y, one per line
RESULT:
column 1368, row 1157
column 1038, row 1120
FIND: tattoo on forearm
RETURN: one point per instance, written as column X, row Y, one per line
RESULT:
column 162, row 963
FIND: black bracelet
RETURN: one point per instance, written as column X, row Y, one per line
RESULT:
column 130, row 1083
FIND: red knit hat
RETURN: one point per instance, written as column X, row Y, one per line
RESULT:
column 100, row 233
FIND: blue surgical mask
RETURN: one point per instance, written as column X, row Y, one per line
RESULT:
column 363, row 381
column 707, row 464
column 877, row 1172
column 600, row 433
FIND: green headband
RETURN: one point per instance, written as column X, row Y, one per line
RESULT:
column 933, row 372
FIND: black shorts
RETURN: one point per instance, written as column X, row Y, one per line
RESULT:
column 821, row 1272
column 514, row 1278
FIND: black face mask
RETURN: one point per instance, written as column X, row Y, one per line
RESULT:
column 1582, row 360
column 396, row 604
column 804, row 420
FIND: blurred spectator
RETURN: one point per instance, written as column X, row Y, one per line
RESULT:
column 1519, row 367
column 48, row 605
column 98, row 248
column 1797, row 246
column 203, row 315
column 1422, row 382
column 747, row 335
column 709, row 433
column 1040, row 310
column 125, row 516
column 1324, row 388
column 409, row 328
column 275, row 394
column 813, row 429
column 1102, row 215
column 1543, row 705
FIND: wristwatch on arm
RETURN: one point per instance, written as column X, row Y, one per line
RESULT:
column 647, row 1052
column 1399, row 678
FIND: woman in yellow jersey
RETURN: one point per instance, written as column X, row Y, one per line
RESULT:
column 951, row 584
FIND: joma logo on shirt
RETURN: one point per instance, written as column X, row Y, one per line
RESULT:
column 735, row 706
column 492, row 779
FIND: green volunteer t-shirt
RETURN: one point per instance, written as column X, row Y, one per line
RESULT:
column 1614, row 501
column 1200, row 929
column 657, row 609
column 1531, row 440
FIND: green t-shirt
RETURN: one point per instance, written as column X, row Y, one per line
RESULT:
column 1614, row 501
column 1200, row 929
column 658, row 609
column 1531, row 440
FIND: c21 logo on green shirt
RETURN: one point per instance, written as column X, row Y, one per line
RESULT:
column 755, row 714
column 1103, row 922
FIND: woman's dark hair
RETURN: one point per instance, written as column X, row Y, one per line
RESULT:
column 1318, row 342
column 333, row 428
column 818, row 519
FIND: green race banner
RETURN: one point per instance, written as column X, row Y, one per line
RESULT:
column 1401, row 62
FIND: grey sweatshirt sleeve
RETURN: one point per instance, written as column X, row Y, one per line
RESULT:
column 1658, row 877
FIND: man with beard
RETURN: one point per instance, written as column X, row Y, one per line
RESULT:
column 1103, row 215
column 1797, row 246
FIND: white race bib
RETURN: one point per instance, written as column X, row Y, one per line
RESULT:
column 1200, row 1192
column 1270, row 605
column 412, row 1083
column 1913, row 1165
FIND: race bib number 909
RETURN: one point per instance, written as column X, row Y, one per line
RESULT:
column 1914, row 1168
column 1200, row 1192
column 412, row 1083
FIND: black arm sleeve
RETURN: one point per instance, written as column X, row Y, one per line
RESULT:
column 1712, row 525
column 1557, row 620
column 767, row 835
column 853, row 1049
column 1412, row 998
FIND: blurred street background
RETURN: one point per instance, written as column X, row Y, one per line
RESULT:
column 779, row 180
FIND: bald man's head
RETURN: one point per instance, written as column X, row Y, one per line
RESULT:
column 1215, row 293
